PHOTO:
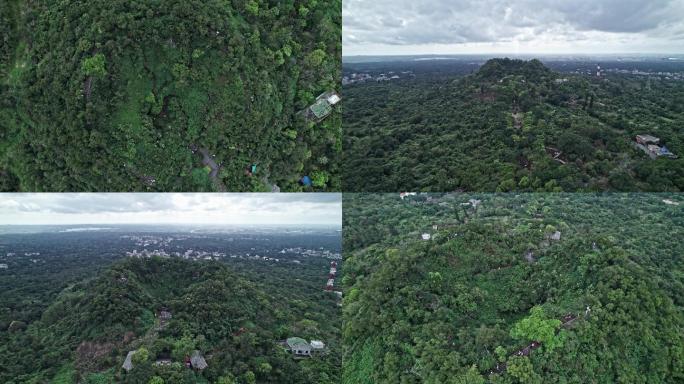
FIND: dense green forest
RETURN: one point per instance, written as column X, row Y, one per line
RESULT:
column 235, row 322
column 512, row 125
column 168, row 95
column 529, row 288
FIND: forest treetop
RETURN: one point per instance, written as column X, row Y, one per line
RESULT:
column 172, row 95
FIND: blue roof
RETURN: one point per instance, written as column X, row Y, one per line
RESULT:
column 306, row 180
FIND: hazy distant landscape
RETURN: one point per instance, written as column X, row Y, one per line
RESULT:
column 249, row 286
column 465, row 64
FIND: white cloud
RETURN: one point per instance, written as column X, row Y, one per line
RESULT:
column 171, row 208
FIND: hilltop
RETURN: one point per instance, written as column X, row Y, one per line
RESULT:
column 514, row 125
column 496, row 69
column 173, row 95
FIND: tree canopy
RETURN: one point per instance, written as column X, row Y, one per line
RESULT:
column 496, row 296
column 145, row 95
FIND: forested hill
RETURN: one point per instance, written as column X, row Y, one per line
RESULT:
column 533, row 288
column 167, row 95
column 512, row 125
column 86, row 334
column 495, row 69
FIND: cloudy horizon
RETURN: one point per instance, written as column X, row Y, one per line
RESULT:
column 406, row 27
column 171, row 208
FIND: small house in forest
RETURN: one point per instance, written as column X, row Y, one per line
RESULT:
column 529, row 256
column 332, row 98
column 163, row 361
column 298, row 346
column 322, row 107
column 651, row 146
column 407, row 194
column 426, row 236
column 197, row 361
column 317, row 347
column 165, row 314
column 128, row 362
column 647, row 139
column 555, row 236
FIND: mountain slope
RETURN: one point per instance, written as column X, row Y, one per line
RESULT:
column 495, row 297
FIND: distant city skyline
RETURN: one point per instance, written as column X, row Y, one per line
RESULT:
column 171, row 208
column 406, row 27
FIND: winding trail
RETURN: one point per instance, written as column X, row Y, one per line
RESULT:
column 517, row 115
column 209, row 161
column 517, row 119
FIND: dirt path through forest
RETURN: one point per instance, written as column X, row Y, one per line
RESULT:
column 517, row 119
column 209, row 161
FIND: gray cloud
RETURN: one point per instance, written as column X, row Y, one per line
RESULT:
column 454, row 22
column 619, row 15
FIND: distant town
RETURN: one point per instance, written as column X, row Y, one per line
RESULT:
column 161, row 245
column 363, row 77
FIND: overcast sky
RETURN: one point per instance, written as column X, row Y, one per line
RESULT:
column 171, row 208
column 396, row 27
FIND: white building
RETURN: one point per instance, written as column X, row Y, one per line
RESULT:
column 317, row 346
column 334, row 99
column 406, row 194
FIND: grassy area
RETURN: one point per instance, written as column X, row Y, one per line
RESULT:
column 66, row 375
